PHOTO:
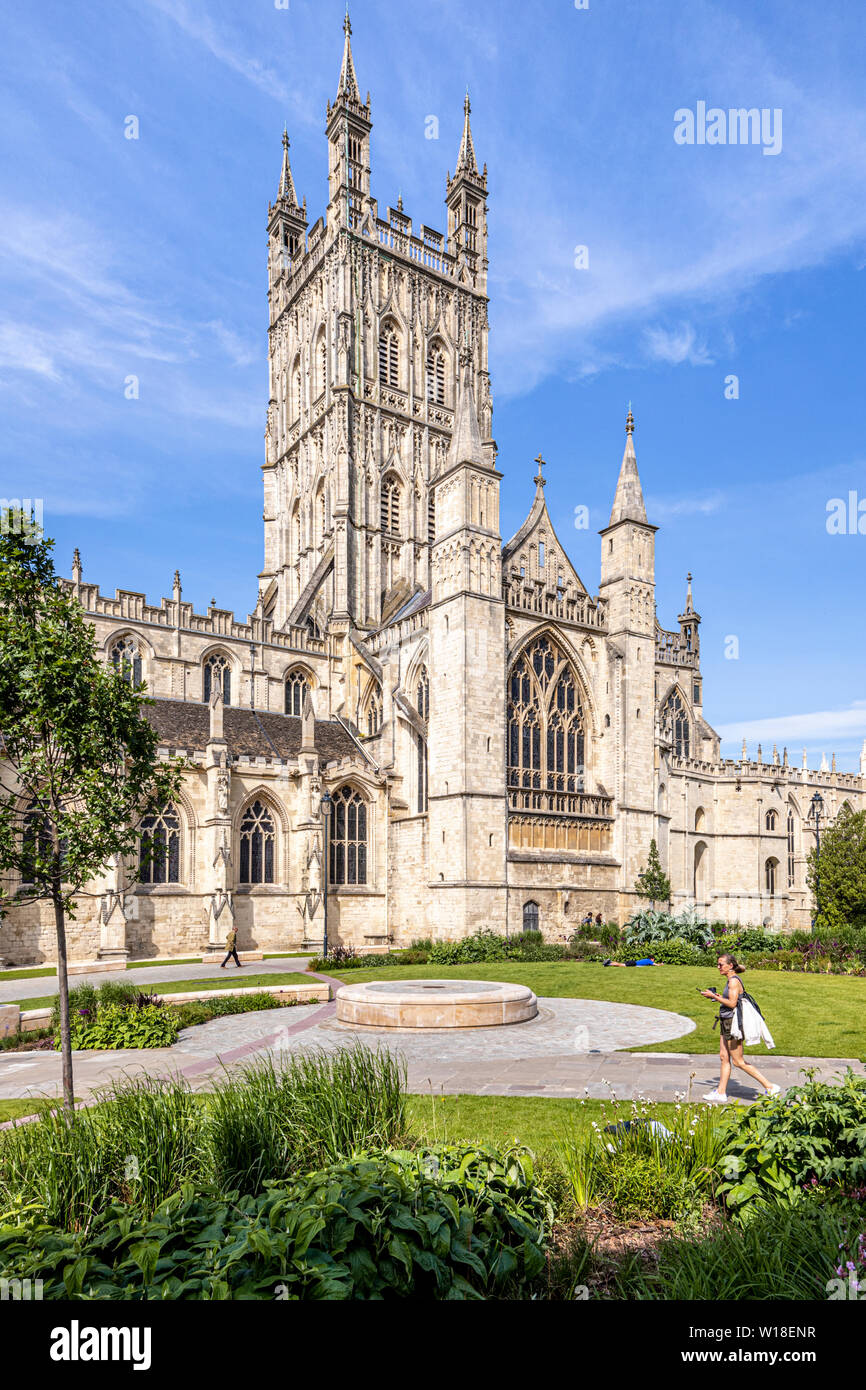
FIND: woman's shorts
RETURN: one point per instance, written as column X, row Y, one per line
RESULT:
column 725, row 1029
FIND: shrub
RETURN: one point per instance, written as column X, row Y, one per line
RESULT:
column 648, row 928
column 679, row 952
column 197, row 1011
column 483, row 946
column 639, row 1169
column 813, row 1136
column 116, row 1026
column 453, row 1223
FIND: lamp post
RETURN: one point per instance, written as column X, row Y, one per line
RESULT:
column 326, row 813
column 815, row 812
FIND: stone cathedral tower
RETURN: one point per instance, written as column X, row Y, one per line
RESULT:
column 368, row 316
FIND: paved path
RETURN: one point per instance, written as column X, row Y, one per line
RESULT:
column 566, row 1051
column 40, row 985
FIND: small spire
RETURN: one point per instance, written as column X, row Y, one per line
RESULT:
column 833, row 764
column 76, row 566
column 177, row 583
column 539, row 479
column 745, row 753
column 348, row 81
column 775, row 756
column 760, row 756
column 628, row 503
column 287, row 184
column 400, row 201
column 824, row 767
column 466, row 162
column 805, row 761
column 689, row 605
column 785, row 758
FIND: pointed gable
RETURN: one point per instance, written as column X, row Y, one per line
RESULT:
column 536, row 550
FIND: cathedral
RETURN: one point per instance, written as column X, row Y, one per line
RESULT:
column 421, row 729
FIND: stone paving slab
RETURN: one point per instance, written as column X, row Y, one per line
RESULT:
column 545, row 1057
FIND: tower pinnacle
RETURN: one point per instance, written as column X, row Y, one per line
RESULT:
column 628, row 503
column 287, row 184
column 466, row 162
column 348, row 81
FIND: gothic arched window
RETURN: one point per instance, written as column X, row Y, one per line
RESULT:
column 390, row 508
column 126, row 659
column 421, row 750
column 297, row 685
column 436, row 376
column 258, row 837
column 675, row 723
column 431, row 518
column 347, row 847
column 217, row 676
column 770, row 876
column 530, row 916
column 422, row 693
column 791, row 828
column 546, row 739
column 159, row 847
column 372, row 717
column 770, row 820
column 389, row 357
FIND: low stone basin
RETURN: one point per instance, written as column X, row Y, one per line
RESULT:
column 434, row 1004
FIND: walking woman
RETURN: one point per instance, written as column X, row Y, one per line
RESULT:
column 731, row 1049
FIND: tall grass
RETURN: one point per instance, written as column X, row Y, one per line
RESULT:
column 146, row 1137
column 273, row 1120
column 788, row 1255
column 138, row 1145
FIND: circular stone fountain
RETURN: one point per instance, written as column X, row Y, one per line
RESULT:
column 434, row 1004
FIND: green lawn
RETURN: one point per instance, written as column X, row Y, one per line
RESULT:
column 237, row 979
column 808, row 1015
column 539, row 1122
column 14, row 1109
column 37, row 972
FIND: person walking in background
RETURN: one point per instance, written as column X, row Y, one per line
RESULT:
column 232, row 949
column 731, row 1049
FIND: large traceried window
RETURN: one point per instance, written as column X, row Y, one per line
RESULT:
column 792, row 847
column 546, row 738
column 159, row 850
column 390, row 509
column 389, row 357
column 126, row 659
column 675, row 723
column 297, row 685
column 217, row 676
column 436, row 376
column 347, row 848
column 258, row 838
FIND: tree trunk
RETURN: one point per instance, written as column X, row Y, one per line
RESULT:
column 63, row 993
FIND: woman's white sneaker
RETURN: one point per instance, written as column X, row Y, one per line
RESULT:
column 773, row 1090
column 716, row 1096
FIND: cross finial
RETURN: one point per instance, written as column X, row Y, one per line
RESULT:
column 285, row 137
column 466, row 107
column 347, row 27
column 629, row 421
column 539, row 478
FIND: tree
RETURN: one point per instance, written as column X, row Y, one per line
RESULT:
column 79, row 761
column 653, row 884
column 838, row 879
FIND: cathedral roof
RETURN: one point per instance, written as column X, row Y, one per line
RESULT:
column 250, row 733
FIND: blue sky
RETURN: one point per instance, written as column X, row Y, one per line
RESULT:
column 147, row 257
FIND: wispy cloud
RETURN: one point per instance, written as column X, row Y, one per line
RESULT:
column 845, row 726
column 670, row 508
column 676, row 345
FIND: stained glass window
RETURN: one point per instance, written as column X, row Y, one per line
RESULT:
column 347, row 847
column 159, row 853
column 546, row 739
column 257, row 845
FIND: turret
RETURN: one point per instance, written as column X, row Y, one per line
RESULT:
column 466, row 197
column 348, row 130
